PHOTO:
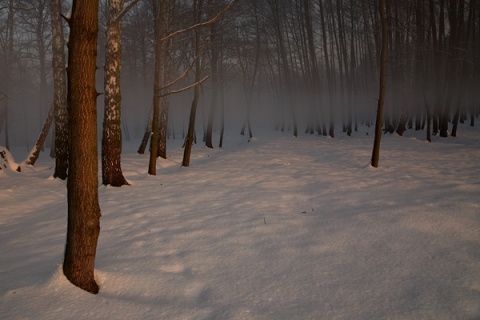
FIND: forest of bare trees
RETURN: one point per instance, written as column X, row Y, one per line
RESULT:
column 166, row 68
column 303, row 65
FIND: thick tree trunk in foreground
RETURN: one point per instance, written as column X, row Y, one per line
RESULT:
column 82, row 184
column 60, row 93
column 383, row 83
column 112, row 129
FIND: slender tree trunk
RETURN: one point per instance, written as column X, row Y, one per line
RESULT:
column 196, row 95
column 166, row 77
column 157, row 84
column 222, row 115
column 450, row 74
column 8, row 69
column 146, row 135
column 112, row 128
column 34, row 154
column 330, row 80
column 163, row 123
column 82, row 186
column 383, row 84
column 284, row 67
column 60, row 92
column 41, row 43
column 214, row 60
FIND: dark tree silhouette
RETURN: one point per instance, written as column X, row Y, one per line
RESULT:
column 383, row 84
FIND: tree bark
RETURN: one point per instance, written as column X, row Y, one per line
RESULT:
column 214, row 48
column 8, row 69
column 59, row 93
column 112, row 128
column 330, row 80
column 196, row 95
column 34, row 154
column 383, row 84
column 82, row 185
column 147, row 134
column 167, row 23
column 157, row 84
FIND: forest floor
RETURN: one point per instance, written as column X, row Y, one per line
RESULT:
column 276, row 228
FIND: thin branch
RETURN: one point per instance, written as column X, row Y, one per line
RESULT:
column 185, row 73
column 184, row 89
column 181, row 77
column 68, row 16
column 202, row 24
column 125, row 10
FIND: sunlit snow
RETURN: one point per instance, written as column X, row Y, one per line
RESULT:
column 275, row 228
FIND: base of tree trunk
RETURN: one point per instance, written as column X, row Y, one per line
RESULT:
column 85, row 284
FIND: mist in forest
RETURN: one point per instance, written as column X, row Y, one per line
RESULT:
column 297, row 66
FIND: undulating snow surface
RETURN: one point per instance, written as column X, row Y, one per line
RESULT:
column 276, row 228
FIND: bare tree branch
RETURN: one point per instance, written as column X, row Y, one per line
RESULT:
column 125, row 10
column 184, row 89
column 182, row 76
column 185, row 73
column 202, row 24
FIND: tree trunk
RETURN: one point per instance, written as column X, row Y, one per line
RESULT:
column 157, row 84
column 146, row 135
column 33, row 156
column 163, row 123
column 330, row 80
column 193, row 110
column 60, row 92
column 8, row 69
column 167, row 23
column 383, row 84
column 451, row 69
column 41, row 44
column 214, row 55
column 222, row 115
column 112, row 128
column 82, row 185
column 429, row 118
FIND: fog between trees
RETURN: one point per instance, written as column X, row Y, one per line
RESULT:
column 300, row 65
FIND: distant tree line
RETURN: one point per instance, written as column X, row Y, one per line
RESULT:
column 317, row 62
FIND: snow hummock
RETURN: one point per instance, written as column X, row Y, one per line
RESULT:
column 7, row 162
column 278, row 228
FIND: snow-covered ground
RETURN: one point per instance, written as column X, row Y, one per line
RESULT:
column 276, row 228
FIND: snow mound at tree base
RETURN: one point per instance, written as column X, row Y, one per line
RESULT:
column 7, row 161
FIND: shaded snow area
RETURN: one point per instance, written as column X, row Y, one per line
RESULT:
column 276, row 228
